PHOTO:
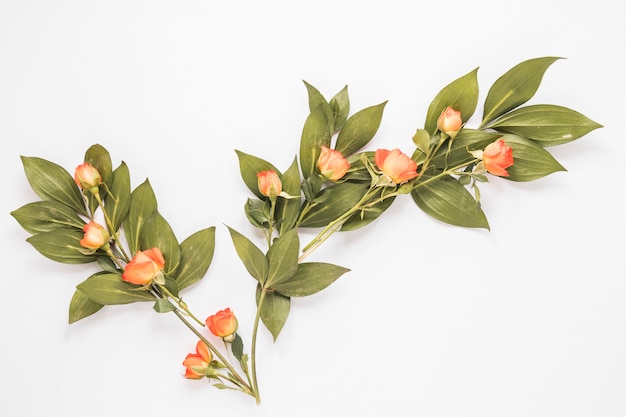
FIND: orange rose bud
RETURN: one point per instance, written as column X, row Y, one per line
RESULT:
column 269, row 183
column 332, row 164
column 87, row 177
column 450, row 122
column 396, row 165
column 223, row 324
column 144, row 267
column 196, row 364
column 95, row 236
column 497, row 157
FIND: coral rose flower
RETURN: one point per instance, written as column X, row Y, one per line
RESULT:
column 144, row 267
column 197, row 363
column 396, row 165
column 497, row 157
column 95, row 236
column 223, row 324
column 87, row 177
column 332, row 164
column 269, row 183
column 450, row 122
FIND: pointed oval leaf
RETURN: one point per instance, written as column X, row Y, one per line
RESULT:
column 100, row 159
column 530, row 160
column 315, row 133
column 52, row 182
column 157, row 232
column 249, row 166
column 448, row 201
column 82, row 306
column 515, row 87
column 142, row 205
column 340, row 106
column 282, row 258
column 359, row 129
column 310, row 278
column 288, row 209
column 251, row 256
column 118, row 202
column 461, row 94
column 61, row 245
column 274, row 311
column 196, row 254
column 109, row 289
column 46, row 216
column 332, row 202
column 545, row 123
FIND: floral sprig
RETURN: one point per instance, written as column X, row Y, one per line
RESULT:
column 332, row 185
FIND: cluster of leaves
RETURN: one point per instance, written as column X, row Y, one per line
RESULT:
column 443, row 189
column 56, row 226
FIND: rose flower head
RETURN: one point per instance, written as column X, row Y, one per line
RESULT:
column 269, row 183
column 145, row 266
column 223, row 324
column 95, row 236
column 331, row 164
column 87, row 177
column 450, row 122
column 198, row 363
column 497, row 157
column 396, row 165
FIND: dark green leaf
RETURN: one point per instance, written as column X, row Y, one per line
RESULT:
column 448, row 201
column 359, row 129
column 100, row 159
column 157, row 232
column 196, row 254
column 288, row 209
column 109, row 289
column 82, row 306
column 274, row 311
column 237, row 347
column 332, row 202
column 316, row 99
column 118, row 203
column 530, row 160
column 142, row 205
column 547, row 124
column 282, row 258
column 310, row 278
column 252, row 258
column 364, row 217
column 340, row 106
column 163, row 306
column 249, row 167
column 315, row 133
column 515, row 87
column 51, row 182
column 61, row 245
column 257, row 212
column 46, row 216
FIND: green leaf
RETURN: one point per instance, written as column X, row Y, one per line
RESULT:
column 315, row 133
column 461, row 94
column 332, row 202
column 100, row 159
column 365, row 217
column 467, row 140
column 82, row 306
column 448, row 201
column 530, row 160
column 118, row 203
column 51, row 182
column 258, row 212
column 252, row 258
column 142, row 205
column 288, row 209
column 46, row 216
column 282, row 258
column 163, row 306
column 237, row 347
column 249, row 167
column 547, row 124
column 515, row 87
column 109, row 289
column 310, row 278
column 340, row 106
column 274, row 311
column 196, row 254
column 359, row 129
column 316, row 99
column 61, row 245
column 156, row 232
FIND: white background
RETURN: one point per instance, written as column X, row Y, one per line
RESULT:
column 525, row 320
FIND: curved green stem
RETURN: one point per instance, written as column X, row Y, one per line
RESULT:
column 180, row 302
column 113, row 232
column 255, row 384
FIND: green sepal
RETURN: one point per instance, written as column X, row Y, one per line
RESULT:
column 274, row 311
column 287, row 209
column 46, row 216
column 310, row 278
column 251, row 256
column 364, row 217
column 530, row 160
column 117, row 203
column 52, row 182
column 142, row 205
column 109, row 289
column 61, row 245
column 450, row 202
column 196, row 255
column 163, row 306
column 359, row 129
column 82, row 306
column 282, row 258
column 157, row 232
column 461, row 94
column 315, row 133
column 332, row 202
column 515, row 87
column 546, row 124
column 249, row 167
